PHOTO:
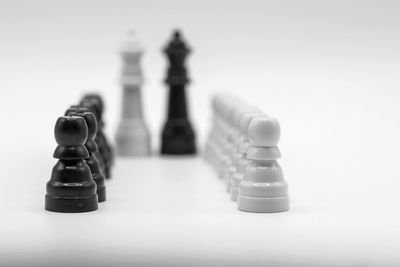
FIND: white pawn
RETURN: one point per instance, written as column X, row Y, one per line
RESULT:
column 263, row 188
column 211, row 150
column 241, row 151
column 227, row 105
column 235, row 139
column 228, row 140
column 133, row 137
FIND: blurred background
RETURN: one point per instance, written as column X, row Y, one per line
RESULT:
column 316, row 61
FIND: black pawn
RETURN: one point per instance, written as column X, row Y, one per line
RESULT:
column 98, row 99
column 99, row 104
column 71, row 187
column 178, row 137
column 93, row 163
column 79, row 109
column 100, row 138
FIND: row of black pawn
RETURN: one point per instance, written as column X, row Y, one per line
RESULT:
column 85, row 159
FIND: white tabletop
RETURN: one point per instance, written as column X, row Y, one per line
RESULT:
column 175, row 212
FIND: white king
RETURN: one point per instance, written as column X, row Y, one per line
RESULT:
column 133, row 137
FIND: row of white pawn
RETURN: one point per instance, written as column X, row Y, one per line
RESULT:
column 242, row 148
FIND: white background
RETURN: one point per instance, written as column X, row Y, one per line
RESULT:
column 328, row 70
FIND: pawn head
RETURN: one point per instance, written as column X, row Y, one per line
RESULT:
column 240, row 111
column 70, row 131
column 75, row 109
column 264, row 131
column 96, row 97
column 91, row 123
column 245, row 121
column 93, row 105
column 90, row 120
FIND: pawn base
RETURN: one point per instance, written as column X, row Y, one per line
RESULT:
column 234, row 194
column 263, row 205
column 229, row 178
column 101, row 194
column 235, row 181
column 71, row 205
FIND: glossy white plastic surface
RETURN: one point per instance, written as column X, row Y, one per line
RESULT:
column 263, row 188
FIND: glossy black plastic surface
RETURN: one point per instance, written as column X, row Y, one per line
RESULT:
column 71, row 187
column 178, row 137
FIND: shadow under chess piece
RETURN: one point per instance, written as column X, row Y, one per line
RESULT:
column 71, row 187
column 178, row 137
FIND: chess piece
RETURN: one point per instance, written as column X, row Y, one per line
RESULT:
column 263, row 188
column 178, row 136
column 71, row 187
column 92, row 161
column 73, row 109
column 100, row 103
column 241, row 151
column 222, row 103
column 97, row 101
column 234, row 139
column 132, row 137
column 210, row 147
column 213, row 149
column 226, row 127
column 105, row 149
